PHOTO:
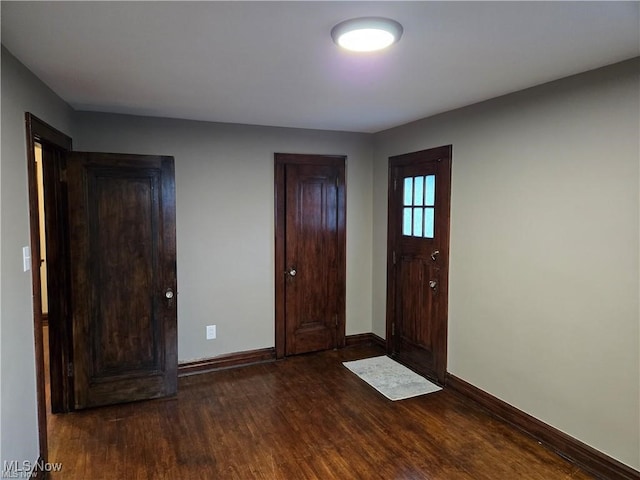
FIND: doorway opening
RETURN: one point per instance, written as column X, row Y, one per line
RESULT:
column 45, row 147
column 97, row 207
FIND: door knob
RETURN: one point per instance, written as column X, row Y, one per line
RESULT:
column 168, row 294
column 433, row 284
column 292, row 272
column 435, row 254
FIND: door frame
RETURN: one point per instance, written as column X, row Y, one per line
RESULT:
column 393, row 218
column 37, row 131
column 281, row 161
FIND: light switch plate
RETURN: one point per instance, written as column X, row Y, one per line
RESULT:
column 211, row 332
column 26, row 259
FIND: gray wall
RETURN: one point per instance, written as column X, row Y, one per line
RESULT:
column 225, row 220
column 544, row 250
column 21, row 92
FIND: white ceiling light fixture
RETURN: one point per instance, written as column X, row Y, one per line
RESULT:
column 366, row 34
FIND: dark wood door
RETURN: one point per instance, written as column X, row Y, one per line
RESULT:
column 418, row 259
column 312, row 264
column 123, row 277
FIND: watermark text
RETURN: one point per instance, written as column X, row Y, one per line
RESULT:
column 27, row 469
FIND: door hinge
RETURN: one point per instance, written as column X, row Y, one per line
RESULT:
column 395, row 183
column 336, row 319
column 63, row 175
column 70, row 369
column 394, row 257
column 393, row 328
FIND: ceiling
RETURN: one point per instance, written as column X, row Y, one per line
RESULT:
column 274, row 63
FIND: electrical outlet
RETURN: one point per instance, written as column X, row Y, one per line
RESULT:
column 211, row 332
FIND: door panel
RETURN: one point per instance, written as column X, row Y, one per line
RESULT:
column 415, row 303
column 313, row 266
column 122, row 246
column 418, row 239
column 122, row 239
column 311, row 250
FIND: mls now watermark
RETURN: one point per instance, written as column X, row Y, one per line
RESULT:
column 27, row 469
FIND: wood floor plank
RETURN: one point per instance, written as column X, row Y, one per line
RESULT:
column 305, row 417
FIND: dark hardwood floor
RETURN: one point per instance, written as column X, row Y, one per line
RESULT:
column 306, row 417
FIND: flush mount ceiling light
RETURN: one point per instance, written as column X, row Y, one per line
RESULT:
column 366, row 34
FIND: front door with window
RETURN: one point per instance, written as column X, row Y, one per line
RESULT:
column 418, row 259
